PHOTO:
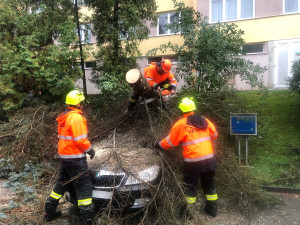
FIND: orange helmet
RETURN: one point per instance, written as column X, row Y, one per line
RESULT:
column 166, row 65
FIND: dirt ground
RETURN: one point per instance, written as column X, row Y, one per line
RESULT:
column 5, row 195
column 286, row 213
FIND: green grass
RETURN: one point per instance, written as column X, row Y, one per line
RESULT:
column 274, row 153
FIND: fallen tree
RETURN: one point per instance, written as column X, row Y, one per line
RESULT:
column 30, row 135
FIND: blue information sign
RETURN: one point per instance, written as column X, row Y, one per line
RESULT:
column 243, row 124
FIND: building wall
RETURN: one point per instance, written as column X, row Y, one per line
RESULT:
column 270, row 28
column 266, row 8
column 262, row 60
column 167, row 5
column 203, row 7
column 269, row 25
column 91, row 88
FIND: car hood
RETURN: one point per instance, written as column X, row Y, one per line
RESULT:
column 129, row 159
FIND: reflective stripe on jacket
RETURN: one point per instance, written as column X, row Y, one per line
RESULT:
column 72, row 134
column 153, row 78
column 196, row 142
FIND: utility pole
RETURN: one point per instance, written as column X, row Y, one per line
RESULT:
column 80, row 49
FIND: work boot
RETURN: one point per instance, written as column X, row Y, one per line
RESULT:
column 211, row 209
column 88, row 213
column 88, row 222
column 50, row 209
column 50, row 216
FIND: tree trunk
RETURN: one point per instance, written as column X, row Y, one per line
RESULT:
column 139, row 83
column 81, row 50
column 116, row 26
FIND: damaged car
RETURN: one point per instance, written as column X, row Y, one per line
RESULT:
column 123, row 178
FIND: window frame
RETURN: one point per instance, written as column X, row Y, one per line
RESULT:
column 91, row 67
column 80, row 3
column 173, row 59
column 169, row 30
column 82, row 33
column 239, row 11
column 258, row 43
column 283, row 8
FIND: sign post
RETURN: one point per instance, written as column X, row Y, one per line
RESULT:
column 243, row 125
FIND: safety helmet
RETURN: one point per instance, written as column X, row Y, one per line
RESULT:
column 187, row 105
column 74, row 97
column 166, row 65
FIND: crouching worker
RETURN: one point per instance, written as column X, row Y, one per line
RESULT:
column 195, row 134
column 159, row 78
column 73, row 146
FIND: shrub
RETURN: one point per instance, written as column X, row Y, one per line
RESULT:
column 295, row 80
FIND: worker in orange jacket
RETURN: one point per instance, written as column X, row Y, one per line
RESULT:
column 195, row 133
column 160, row 78
column 73, row 146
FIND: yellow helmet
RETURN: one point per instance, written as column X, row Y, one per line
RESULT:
column 187, row 105
column 74, row 97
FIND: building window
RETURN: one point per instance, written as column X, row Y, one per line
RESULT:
column 80, row 2
column 153, row 59
column 253, row 48
column 85, row 33
column 231, row 9
column 158, row 59
column 126, row 33
column 227, row 10
column 89, row 65
column 291, row 6
column 164, row 20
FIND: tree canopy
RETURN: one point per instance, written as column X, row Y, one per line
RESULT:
column 119, row 27
column 37, row 50
column 210, row 54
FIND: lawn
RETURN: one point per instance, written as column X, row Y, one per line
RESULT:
column 275, row 152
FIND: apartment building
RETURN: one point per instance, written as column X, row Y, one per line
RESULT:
column 272, row 34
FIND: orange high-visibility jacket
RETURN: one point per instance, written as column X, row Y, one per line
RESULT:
column 72, row 134
column 196, row 142
column 153, row 78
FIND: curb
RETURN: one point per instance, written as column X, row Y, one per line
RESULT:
column 281, row 189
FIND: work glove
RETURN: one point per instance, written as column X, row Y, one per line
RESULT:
column 91, row 153
column 156, row 145
column 156, row 87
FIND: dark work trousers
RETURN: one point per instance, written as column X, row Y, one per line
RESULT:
column 203, row 171
column 74, row 173
column 208, row 186
column 207, row 182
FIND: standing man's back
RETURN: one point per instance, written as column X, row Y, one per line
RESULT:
column 73, row 146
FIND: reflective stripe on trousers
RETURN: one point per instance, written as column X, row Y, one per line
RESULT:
column 87, row 201
column 212, row 197
column 190, row 200
column 55, row 195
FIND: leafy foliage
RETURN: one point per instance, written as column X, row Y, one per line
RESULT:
column 295, row 80
column 210, row 54
column 32, row 62
column 119, row 27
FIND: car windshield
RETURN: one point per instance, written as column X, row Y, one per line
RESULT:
column 132, row 160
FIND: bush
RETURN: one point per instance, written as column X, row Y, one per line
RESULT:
column 295, row 80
